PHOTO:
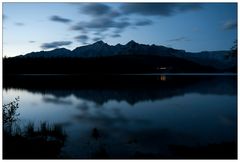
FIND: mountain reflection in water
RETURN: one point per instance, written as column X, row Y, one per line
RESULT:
column 136, row 89
column 162, row 117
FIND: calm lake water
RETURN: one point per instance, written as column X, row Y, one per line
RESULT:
column 155, row 121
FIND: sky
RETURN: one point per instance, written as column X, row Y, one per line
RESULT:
column 192, row 27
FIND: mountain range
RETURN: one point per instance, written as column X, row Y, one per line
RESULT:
column 131, row 58
column 216, row 59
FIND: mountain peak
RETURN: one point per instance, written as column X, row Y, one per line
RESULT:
column 118, row 44
column 99, row 42
column 132, row 42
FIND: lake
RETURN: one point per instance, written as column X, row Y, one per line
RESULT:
column 139, row 117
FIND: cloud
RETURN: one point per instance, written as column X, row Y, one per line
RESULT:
column 55, row 44
column 102, row 18
column 32, row 41
column 56, row 101
column 229, row 25
column 78, row 26
column 180, row 39
column 82, row 38
column 101, row 24
column 115, row 35
column 98, row 10
column 107, row 23
column 143, row 22
column 95, row 9
column 19, row 24
column 97, row 39
column 60, row 19
column 158, row 9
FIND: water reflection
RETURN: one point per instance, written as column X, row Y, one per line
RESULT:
column 55, row 100
column 163, row 77
column 134, row 90
column 183, row 117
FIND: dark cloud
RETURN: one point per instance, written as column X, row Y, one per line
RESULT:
column 229, row 25
column 97, row 39
column 143, row 22
column 107, row 23
column 95, row 9
column 158, row 9
column 115, row 35
column 180, row 39
column 80, row 27
column 102, row 18
column 77, row 27
column 60, row 19
column 56, row 101
column 32, row 41
column 19, row 24
column 100, row 25
column 55, row 44
column 82, row 38
column 99, row 10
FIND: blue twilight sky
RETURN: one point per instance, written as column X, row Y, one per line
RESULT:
column 192, row 27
